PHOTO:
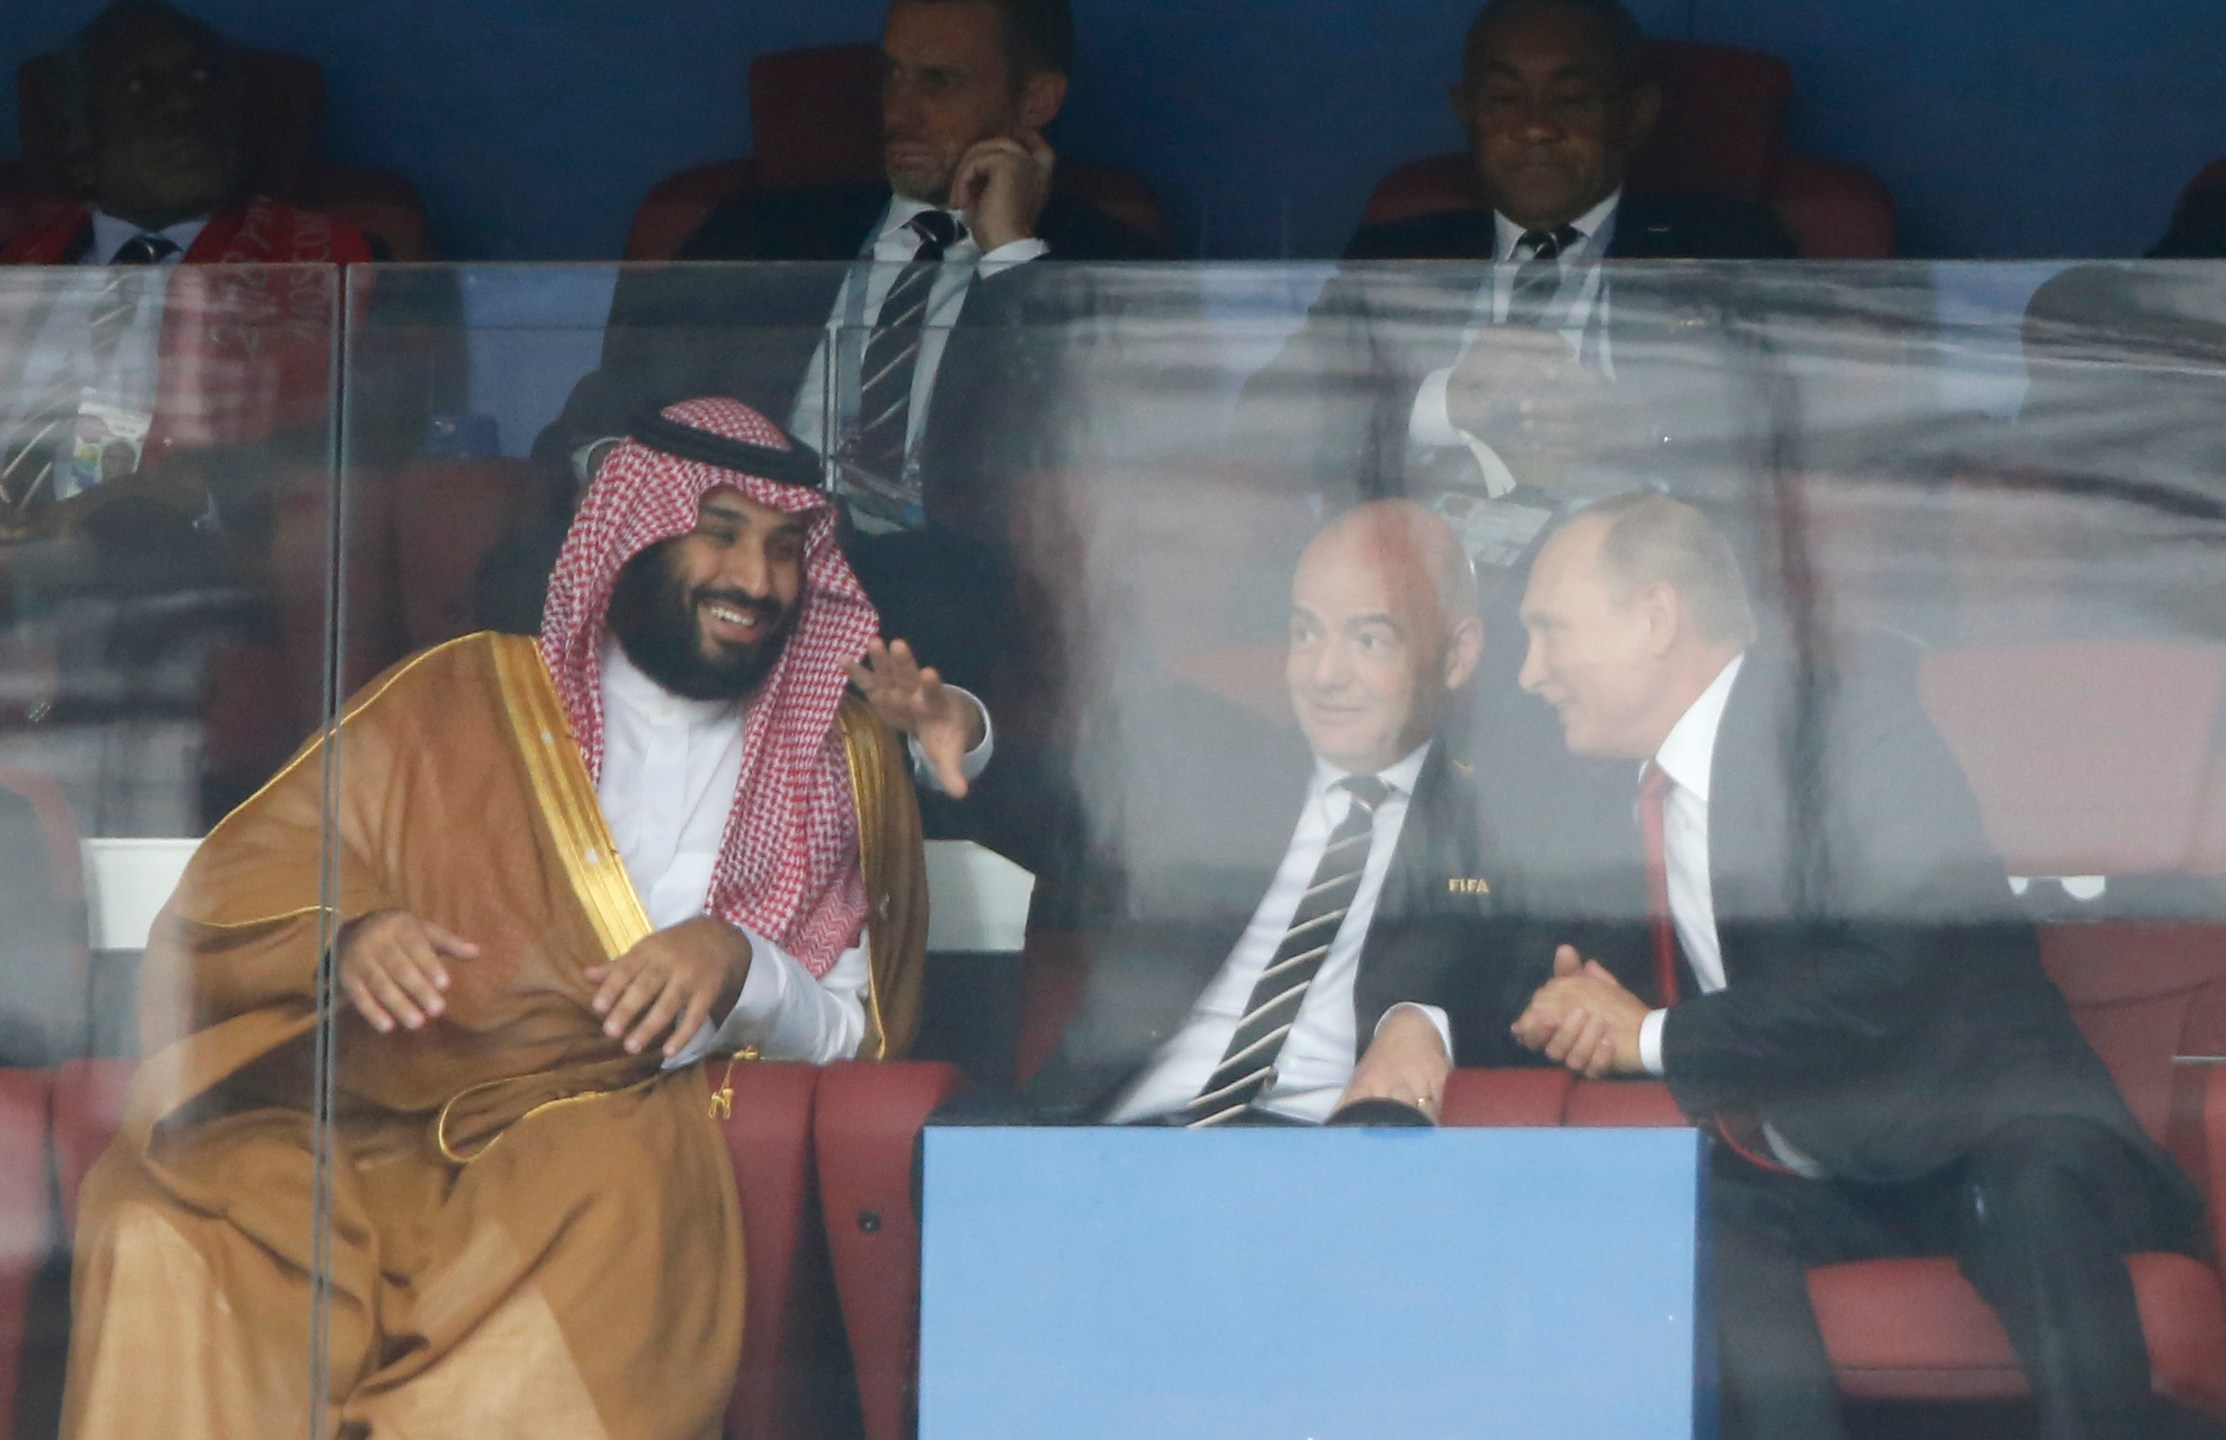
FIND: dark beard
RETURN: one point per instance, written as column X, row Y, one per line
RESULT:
column 655, row 622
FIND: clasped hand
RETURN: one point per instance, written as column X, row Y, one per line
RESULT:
column 1583, row 1018
column 911, row 698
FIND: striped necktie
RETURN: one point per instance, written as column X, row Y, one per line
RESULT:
column 28, row 454
column 1538, row 277
column 893, row 350
column 1247, row 1068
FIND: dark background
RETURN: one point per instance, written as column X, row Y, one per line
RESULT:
column 2030, row 128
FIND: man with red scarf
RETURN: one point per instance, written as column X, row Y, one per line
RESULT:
column 166, row 346
column 557, row 875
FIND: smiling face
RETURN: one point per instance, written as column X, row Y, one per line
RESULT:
column 947, row 85
column 1595, row 654
column 1373, row 655
column 706, row 614
column 1552, row 117
column 162, row 121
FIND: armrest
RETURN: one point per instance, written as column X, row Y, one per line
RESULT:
column 866, row 1131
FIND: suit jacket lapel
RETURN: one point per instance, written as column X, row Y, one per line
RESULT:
column 1750, row 835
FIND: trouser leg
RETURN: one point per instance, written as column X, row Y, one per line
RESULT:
column 2044, row 1214
column 1774, row 1373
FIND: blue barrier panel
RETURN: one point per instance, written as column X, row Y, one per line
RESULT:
column 1295, row 1284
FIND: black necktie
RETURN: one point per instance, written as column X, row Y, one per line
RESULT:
column 1247, row 1067
column 1538, row 277
column 146, row 249
column 893, row 350
column 27, row 457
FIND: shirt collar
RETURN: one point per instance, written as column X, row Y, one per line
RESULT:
column 1506, row 233
column 1400, row 777
column 1688, row 756
column 902, row 209
column 626, row 688
column 110, row 233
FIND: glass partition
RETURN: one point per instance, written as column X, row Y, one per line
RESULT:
column 1960, row 525
column 168, row 527
column 1962, row 522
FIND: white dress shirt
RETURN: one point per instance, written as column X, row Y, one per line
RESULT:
column 1688, row 759
column 1571, row 314
column 1317, row 1057
column 63, row 350
column 895, row 243
column 670, row 770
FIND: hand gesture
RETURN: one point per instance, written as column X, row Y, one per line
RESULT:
column 1406, row 1062
column 675, row 979
column 394, row 965
column 912, row 699
column 1583, row 1018
column 1001, row 184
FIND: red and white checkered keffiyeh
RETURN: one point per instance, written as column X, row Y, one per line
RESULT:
column 788, row 866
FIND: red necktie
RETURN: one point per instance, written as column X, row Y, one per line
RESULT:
column 1654, row 788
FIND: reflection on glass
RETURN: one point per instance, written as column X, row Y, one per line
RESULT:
column 1967, row 741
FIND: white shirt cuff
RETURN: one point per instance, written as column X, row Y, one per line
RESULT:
column 1429, row 422
column 785, row 1012
column 1011, row 253
column 1435, row 1016
column 1650, row 1042
column 973, row 762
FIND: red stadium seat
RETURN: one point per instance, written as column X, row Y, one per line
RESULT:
column 789, row 1300
column 1721, row 133
column 89, row 1098
column 867, row 1127
column 26, row 1219
column 2056, row 802
column 1507, row 1097
column 284, row 98
column 815, row 119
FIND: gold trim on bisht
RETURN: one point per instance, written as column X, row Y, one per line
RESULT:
column 565, row 796
column 894, row 867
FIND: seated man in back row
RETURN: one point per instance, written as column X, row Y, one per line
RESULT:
column 1834, row 983
column 563, row 876
column 102, row 381
column 1270, row 967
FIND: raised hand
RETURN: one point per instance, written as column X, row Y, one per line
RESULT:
column 912, row 698
column 1002, row 185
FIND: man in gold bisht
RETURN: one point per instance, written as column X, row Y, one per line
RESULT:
column 566, row 874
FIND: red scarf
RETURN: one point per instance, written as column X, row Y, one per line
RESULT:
column 788, row 865
column 244, row 352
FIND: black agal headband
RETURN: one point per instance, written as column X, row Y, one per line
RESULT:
column 798, row 465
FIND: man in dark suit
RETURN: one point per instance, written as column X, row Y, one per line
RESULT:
column 1832, row 980
column 1307, row 920
column 1490, row 393
column 917, row 415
